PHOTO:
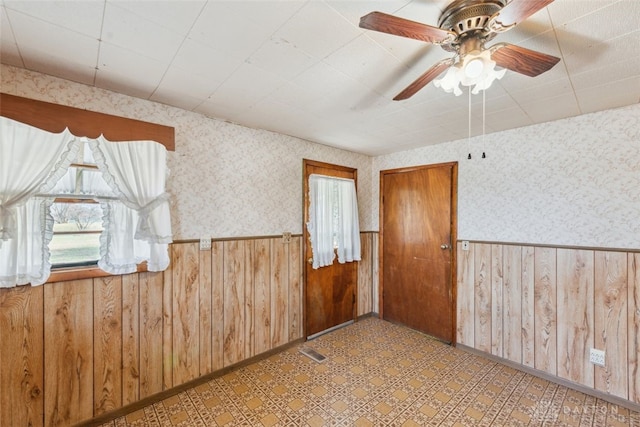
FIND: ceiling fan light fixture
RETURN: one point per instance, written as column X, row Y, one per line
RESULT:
column 450, row 82
column 485, row 83
column 475, row 69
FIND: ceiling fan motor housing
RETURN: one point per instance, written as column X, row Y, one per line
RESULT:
column 469, row 18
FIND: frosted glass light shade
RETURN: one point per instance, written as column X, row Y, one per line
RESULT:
column 475, row 69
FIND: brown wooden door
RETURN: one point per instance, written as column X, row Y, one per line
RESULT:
column 330, row 292
column 417, row 233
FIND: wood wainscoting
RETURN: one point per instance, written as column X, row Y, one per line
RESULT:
column 70, row 351
column 546, row 307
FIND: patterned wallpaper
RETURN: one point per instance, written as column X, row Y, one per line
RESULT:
column 226, row 180
column 572, row 182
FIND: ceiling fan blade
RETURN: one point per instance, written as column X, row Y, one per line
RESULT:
column 424, row 79
column 378, row 21
column 522, row 60
column 519, row 10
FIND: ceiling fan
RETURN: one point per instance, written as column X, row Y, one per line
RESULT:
column 463, row 28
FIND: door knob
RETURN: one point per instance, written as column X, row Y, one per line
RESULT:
column 310, row 260
column 444, row 246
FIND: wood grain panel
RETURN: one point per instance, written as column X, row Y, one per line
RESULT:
column 60, row 343
column 249, row 300
column 262, row 282
column 553, row 304
column 295, row 289
column 375, row 272
column 217, row 305
column 21, row 356
column 365, row 275
column 68, row 352
column 204, row 312
column 512, row 300
column 633, row 324
column 497, row 283
column 465, row 304
column 130, row 339
column 107, row 343
column 545, row 310
column 575, row 319
column 151, row 333
column 167, row 324
column 610, row 317
column 233, row 302
column 279, row 293
column 482, row 297
column 528, row 307
column 185, row 312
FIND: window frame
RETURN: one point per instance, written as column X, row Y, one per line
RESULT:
column 78, row 273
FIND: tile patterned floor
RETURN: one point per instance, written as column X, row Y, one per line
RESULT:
column 379, row 374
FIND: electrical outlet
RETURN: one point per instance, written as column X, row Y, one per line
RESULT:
column 596, row 357
column 286, row 237
column 205, row 243
column 465, row 245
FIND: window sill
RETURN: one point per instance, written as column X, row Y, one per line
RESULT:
column 78, row 273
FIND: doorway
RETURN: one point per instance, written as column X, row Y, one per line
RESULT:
column 417, row 238
column 330, row 292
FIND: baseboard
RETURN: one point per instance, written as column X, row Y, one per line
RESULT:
column 554, row 379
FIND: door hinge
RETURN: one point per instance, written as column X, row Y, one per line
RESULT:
column 354, row 299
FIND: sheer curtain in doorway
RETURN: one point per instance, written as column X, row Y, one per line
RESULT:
column 333, row 220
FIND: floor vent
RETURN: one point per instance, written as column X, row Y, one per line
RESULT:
column 312, row 354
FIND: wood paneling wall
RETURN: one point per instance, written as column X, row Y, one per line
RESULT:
column 74, row 350
column 545, row 308
column 367, row 273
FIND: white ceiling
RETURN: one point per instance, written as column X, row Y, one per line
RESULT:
column 305, row 68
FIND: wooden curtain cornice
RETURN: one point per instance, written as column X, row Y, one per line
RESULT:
column 55, row 118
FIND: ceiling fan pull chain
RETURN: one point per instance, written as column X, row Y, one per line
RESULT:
column 469, row 137
column 484, row 156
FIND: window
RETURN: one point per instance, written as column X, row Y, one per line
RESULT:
column 76, row 233
column 77, row 213
column 51, row 175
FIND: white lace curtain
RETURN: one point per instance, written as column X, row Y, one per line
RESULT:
column 333, row 220
column 137, row 225
column 31, row 162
